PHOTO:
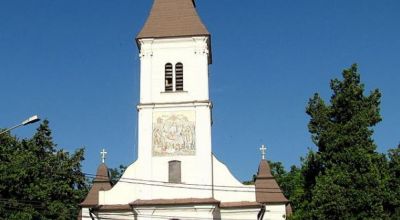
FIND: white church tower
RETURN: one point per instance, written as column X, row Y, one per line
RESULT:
column 175, row 110
column 176, row 176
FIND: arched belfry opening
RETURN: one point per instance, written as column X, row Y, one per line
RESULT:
column 169, row 78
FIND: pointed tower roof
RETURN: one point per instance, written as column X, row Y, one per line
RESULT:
column 102, row 182
column 173, row 18
column 267, row 189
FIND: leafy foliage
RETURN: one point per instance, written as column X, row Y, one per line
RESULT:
column 37, row 181
column 116, row 173
column 344, row 179
column 393, row 197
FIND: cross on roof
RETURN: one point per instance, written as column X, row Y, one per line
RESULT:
column 103, row 155
column 263, row 150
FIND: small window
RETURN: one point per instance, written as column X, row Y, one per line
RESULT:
column 168, row 77
column 179, row 76
column 174, row 171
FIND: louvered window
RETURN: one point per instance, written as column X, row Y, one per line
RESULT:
column 169, row 86
column 179, row 77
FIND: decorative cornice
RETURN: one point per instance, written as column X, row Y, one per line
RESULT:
column 109, row 208
column 146, row 49
column 202, row 46
column 194, row 103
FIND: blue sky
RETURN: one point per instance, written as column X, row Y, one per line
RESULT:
column 75, row 63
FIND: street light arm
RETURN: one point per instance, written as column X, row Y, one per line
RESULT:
column 30, row 120
column 9, row 129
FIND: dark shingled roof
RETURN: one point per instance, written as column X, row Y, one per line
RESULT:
column 110, row 208
column 173, row 18
column 267, row 189
column 102, row 182
column 242, row 204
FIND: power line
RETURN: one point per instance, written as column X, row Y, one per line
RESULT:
column 189, row 185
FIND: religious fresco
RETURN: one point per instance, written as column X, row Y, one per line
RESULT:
column 174, row 133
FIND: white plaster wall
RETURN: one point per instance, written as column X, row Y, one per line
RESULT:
column 180, row 212
column 236, row 191
column 196, row 171
column 192, row 52
column 133, row 185
column 275, row 212
column 116, row 216
column 85, row 214
column 239, row 214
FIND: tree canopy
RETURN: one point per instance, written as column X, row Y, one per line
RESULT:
column 116, row 173
column 393, row 186
column 37, row 180
column 345, row 177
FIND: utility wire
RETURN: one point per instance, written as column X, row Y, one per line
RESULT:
column 188, row 185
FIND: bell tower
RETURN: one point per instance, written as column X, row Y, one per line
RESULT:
column 175, row 110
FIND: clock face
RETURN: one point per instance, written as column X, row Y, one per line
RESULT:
column 174, row 133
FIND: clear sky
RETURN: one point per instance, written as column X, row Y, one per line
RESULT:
column 75, row 63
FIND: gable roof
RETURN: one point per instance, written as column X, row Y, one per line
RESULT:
column 267, row 189
column 102, row 182
column 173, row 18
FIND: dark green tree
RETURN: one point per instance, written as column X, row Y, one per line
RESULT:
column 302, row 182
column 288, row 181
column 393, row 185
column 344, row 178
column 116, row 173
column 37, row 181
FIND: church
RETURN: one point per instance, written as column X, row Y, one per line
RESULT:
column 176, row 175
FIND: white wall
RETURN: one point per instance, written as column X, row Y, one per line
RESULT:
column 196, row 169
column 239, row 214
column 227, row 187
column 275, row 212
column 202, row 175
column 192, row 52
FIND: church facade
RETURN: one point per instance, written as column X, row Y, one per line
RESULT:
column 176, row 175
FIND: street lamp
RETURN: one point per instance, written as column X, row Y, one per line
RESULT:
column 28, row 121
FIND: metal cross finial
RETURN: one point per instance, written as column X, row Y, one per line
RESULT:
column 263, row 150
column 103, row 155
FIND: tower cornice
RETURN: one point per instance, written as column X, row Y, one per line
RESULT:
column 196, row 103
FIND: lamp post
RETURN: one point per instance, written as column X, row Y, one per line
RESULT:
column 28, row 121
